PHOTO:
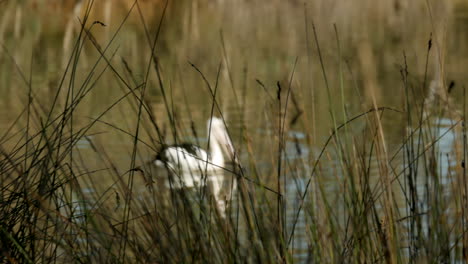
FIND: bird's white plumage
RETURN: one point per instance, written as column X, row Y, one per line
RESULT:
column 189, row 166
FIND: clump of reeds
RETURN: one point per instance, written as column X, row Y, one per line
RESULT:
column 403, row 205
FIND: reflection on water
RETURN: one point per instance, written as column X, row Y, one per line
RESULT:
column 438, row 185
column 217, row 184
column 444, row 130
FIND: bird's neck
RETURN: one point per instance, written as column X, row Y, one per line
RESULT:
column 216, row 153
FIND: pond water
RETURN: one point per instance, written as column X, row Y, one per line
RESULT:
column 332, row 60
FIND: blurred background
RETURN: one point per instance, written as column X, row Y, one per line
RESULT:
column 252, row 40
column 364, row 46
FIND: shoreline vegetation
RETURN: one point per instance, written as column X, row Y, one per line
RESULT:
column 350, row 137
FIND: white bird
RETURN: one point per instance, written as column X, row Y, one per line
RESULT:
column 189, row 163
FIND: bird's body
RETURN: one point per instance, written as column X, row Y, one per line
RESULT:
column 191, row 165
column 188, row 163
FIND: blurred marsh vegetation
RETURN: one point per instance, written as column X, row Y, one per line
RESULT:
column 364, row 47
column 289, row 71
